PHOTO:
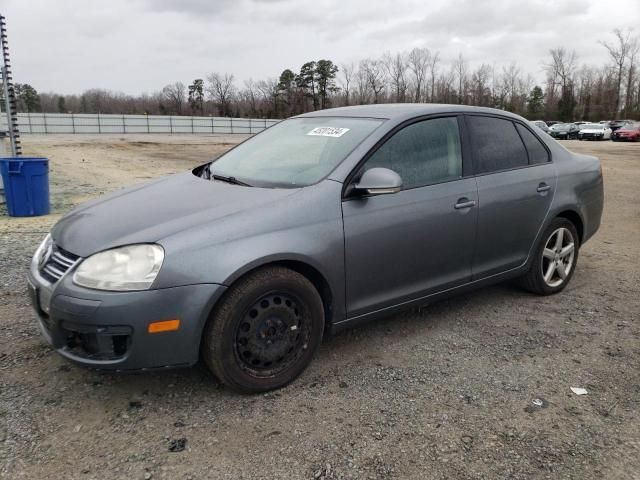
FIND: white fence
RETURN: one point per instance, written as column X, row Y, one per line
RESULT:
column 46, row 123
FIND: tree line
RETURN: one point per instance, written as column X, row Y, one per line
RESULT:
column 571, row 91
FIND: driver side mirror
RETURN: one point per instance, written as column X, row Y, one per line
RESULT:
column 379, row 181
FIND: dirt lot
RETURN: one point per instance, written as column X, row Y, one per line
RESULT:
column 446, row 391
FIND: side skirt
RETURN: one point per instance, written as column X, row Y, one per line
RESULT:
column 427, row 299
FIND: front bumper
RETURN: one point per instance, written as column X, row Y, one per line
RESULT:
column 108, row 330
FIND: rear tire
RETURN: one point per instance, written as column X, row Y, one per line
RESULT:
column 265, row 330
column 555, row 259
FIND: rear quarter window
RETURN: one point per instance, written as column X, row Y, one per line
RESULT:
column 537, row 152
column 496, row 144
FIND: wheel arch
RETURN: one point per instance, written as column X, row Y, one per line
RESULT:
column 575, row 218
column 304, row 267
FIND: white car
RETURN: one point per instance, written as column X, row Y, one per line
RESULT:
column 594, row 131
column 541, row 125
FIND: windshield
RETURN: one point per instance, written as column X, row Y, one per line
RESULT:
column 592, row 126
column 562, row 126
column 295, row 152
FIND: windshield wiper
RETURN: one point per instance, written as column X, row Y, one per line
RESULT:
column 232, row 180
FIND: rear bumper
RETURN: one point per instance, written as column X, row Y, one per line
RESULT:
column 108, row 330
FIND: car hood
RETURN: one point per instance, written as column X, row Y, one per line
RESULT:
column 591, row 130
column 626, row 130
column 149, row 212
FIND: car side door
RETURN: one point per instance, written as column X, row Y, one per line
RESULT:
column 516, row 183
column 404, row 245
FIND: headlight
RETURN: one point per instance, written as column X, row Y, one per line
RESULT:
column 42, row 253
column 133, row 267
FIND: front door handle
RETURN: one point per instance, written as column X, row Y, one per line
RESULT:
column 543, row 187
column 464, row 203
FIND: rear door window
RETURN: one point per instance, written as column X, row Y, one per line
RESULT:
column 537, row 152
column 496, row 144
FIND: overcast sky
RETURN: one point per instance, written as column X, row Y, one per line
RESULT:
column 135, row 46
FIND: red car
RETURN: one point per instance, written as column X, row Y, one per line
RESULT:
column 629, row 133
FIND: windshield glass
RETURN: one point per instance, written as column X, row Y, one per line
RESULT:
column 295, row 152
column 562, row 126
column 592, row 126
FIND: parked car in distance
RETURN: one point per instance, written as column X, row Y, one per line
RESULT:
column 628, row 133
column 594, row 131
column 320, row 222
column 541, row 125
column 564, row 131
column 616, row 124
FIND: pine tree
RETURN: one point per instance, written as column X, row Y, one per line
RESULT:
column 535, row 102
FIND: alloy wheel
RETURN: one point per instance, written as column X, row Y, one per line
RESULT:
column 558, row 257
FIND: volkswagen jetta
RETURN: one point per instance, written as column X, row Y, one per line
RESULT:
column 320, row 222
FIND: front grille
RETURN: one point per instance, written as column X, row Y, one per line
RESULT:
column 58, row 263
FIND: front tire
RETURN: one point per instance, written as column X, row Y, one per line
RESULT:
column 555, row 259
column 265, row 330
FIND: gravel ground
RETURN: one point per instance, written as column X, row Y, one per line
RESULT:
column 474, row 387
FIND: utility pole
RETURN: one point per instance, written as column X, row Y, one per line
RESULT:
column 9, row 92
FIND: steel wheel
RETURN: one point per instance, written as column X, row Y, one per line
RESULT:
column 264, row 331
column 272, row 335
column 558, row 257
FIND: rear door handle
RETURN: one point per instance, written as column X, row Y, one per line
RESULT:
column 543, row 187
column 464, row 203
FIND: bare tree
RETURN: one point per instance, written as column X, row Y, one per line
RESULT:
column 632, row 55
column 222, row 89
column 250, row 94
column 362, row 85
column 480, row 91
column 445, row 91
column 460, row 67
column 561, row 72
column 174, row 95
column 562, row 66
column 418, row 62
column 512, row 84
column 374, row 77
column 619, row 52
column 585, row 82
column 270, row 93
column 347, row 75
column 433, row 69
column 396, row 67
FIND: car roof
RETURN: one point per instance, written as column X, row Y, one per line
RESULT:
column 399, row 111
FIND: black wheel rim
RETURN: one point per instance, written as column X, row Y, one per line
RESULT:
column 272, row 334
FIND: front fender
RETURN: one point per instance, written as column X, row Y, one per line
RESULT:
column 308, row 230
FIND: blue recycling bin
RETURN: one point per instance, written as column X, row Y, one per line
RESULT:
column 26, row 185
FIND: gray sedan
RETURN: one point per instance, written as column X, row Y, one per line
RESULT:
column 321, row 222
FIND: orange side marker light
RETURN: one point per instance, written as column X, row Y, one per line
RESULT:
column 164, row 326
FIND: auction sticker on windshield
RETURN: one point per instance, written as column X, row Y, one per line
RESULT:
column 328, row 131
